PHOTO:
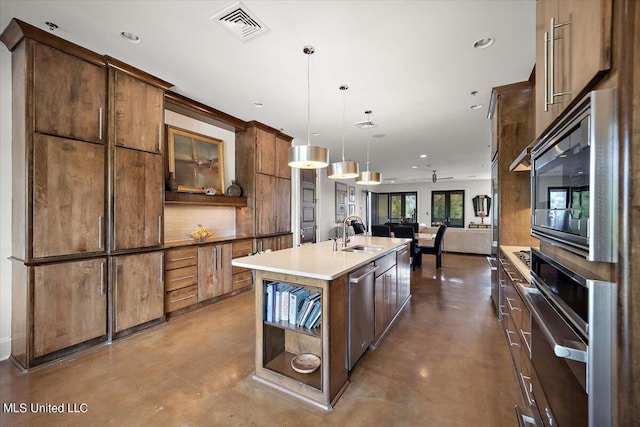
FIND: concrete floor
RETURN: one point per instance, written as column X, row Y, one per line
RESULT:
column 444, row 363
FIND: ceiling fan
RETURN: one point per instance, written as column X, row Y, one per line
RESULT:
column 435, row 177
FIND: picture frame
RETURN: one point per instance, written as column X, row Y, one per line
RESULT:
column 196, row 161
column 341, row 201
column 352, row 194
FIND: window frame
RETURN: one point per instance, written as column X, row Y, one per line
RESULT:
column 447, row 194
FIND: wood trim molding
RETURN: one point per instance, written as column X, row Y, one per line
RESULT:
column 136, row 72
column 266, row 128
column 202, row 199
column 183, row 105
column 18, row 30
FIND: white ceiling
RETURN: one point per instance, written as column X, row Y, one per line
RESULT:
column 411, row 62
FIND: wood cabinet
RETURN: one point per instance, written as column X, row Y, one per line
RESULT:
column 139, row 113
column 181, row 278
column 403, row 263
column 511, row 113
column 68, row 197
column 573, row 52
column 263, row 171
column 242, row 277
column 77, row 89
column 214, row 270
column 70, row 304
column 138, row 289
column 138, row 195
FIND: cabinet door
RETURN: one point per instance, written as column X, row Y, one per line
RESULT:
column 392, row 292
column 285, row 242
column 70, row 304
column 283, row 205
column 139, row 114
column 265, row 243
column 403, row 263
column 69, row 95
column 214, row 271
column 265, row 204
column 381, row 306
column 68, row 197
column 138, row 289
column 266, row 152
column 282, row 158
column 545, row 9
column 137, row 199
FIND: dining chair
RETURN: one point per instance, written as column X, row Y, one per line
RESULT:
column 436, row 249
column 380, row 230
column 408, row 232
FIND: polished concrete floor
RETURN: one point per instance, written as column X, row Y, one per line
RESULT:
column 444, row 363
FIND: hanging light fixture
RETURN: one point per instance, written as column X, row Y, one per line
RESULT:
column 343, row 169
column 308, row 156
column 369, row 177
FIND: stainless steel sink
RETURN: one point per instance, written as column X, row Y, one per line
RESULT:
column 363, row 249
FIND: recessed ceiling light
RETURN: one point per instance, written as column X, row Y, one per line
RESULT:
column 131, row 37
column 484, row 43
column 422, row 156
column 378, row 135
column 476, row 106
column 414, row 167
column 258, row 104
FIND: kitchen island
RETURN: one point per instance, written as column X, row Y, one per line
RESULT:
column 318, row 268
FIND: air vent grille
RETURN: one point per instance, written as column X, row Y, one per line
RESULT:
column 365, row 124
column 242, row 23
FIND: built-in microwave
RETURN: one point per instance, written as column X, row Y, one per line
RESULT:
column 574, row 173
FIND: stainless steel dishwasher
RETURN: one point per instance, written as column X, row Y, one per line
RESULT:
column 361, row 313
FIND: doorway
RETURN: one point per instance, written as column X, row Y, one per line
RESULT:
column 307, row 206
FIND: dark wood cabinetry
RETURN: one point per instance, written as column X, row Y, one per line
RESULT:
column 138, row 195
column 138, row 289
column 573, row 51
column 77, row 89
column 214, row 270
column 68, row 197
column 70, row 304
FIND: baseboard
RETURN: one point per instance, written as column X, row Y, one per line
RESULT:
column 5, row 348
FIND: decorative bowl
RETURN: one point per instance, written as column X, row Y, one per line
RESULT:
column 305, row 363
column 200, row 234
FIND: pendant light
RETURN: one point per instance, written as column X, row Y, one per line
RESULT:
column 308, row 156
column 369, row 177
column 343, row 169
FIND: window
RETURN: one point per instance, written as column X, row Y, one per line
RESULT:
column 447, row 207
column 394, row 207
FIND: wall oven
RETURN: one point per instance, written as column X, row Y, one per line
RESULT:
column 573, row 330
column 574, row 170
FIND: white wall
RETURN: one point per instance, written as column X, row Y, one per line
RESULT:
column 5, row 203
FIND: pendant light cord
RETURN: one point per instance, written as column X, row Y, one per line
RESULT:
column 368, row 139
column 344, row 112
column 308, row 100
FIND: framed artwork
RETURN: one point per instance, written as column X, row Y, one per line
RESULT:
column 196, row 160
column 352, row 208
column 341, row 201
column 352, row 194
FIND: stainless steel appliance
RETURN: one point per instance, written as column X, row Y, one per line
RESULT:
column 361, row 313
column 495, row 289
column 573, row 336
column 574, row 194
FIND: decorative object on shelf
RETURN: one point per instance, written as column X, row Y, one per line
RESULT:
column 195, row 160
column 200, row 234
column 305, row 363
column 172, row 184
column 343, row 169
column 210, row 191
column 234, row 190
column 308, row 156
column 368, row 177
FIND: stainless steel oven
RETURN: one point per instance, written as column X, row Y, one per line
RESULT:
column 573, row 330
column 574, row 176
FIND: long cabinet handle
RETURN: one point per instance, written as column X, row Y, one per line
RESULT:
column 177, row 279
column 526, row 384
column 100, row 123
column 546, row 73
column 160, row 137
column 159, row 228
column 182, row 258
column 182, row 299
column 99, row 231
column 511, row 343
column 160, row 275
column 511, row 307
column 552, row 60
column 101, row 278
column 245, row 280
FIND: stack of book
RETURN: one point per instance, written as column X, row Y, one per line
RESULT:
column 293, row 304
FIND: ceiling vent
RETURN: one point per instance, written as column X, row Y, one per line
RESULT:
column 242, row 23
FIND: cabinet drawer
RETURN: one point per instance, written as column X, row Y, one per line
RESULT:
column 181, row 277
column 385, row 262
column 177, row 258
column 181, row 298
column 241, row 280
column 242, row 247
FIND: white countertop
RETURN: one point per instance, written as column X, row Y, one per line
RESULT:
column 319, row 260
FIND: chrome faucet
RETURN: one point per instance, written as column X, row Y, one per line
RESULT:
column 345, row 237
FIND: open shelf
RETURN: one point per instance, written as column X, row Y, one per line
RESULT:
column 315, row 332
column 203, row 199
column 282, row 365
